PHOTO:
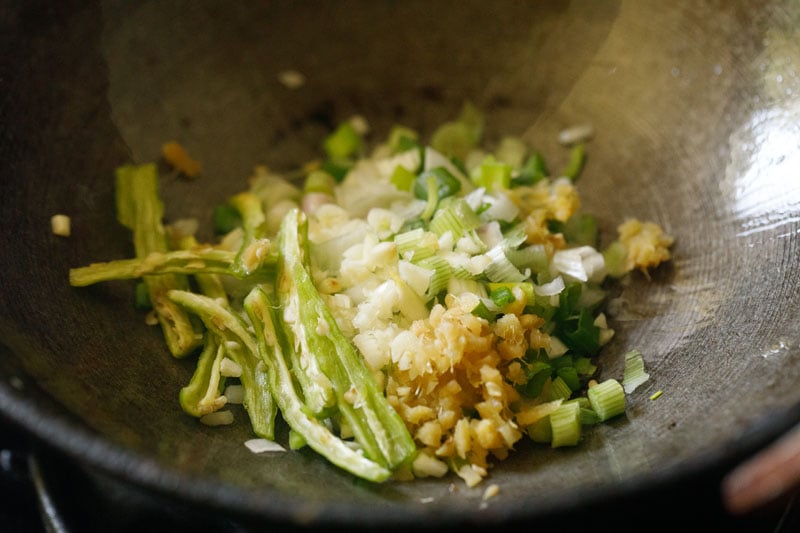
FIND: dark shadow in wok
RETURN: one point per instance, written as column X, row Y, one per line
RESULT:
column 693, row 131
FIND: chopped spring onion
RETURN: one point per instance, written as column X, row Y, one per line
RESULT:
column 512, row 150
column 442, row 273
column 502, row 296
column 456, row 139
column 416, row 244
column 534, row 171
column 525, row 286
column 493, row 175
column 541, row 431
column 480, row 310
column 634, row 373
column 446, row 184
column 402, row 178
column 501, row 269
column 344, row 142
column 142, row 298
column 589, row 417
column 577, row 158
column 402, row 139
column 614, row 257
column 607, row 399
column 565, row 424
column 319, row 181
column 455, row 216
column 559, row 389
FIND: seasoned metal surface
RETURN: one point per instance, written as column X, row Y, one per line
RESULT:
column 696, row 108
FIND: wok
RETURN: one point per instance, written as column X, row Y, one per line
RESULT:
column 695, row 110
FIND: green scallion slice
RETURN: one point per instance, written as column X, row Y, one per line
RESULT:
column 607, row 399
column 634, row 373
column 565, row 423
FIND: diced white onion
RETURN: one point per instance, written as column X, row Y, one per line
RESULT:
column 234, row 394
column 501, row 208
column 550, row 289
column 417, row 277
column 229, row 368
column 583, row 263
column 263, row 445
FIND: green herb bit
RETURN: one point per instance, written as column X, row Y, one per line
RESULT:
column 580, row 335
column 615, row 257
column 344, row 142
column 446, row 183
column 533, row 171
column 338, row 168
column 493, row 175
column 140, row 209
column 240, row 345
column 142, row 297
column 402, row 178
column 402, row 139
column 457, row 138
column 577, row 159
column 541, row 431
column 305, row 428
column 225, row 218
column 581, row 230
column 482, row 311
column 376, row 426
column 502, row 296
column 319, row 181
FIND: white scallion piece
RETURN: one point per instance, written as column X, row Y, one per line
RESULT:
column 263, row 446
column 634, row 373
column 550, row 289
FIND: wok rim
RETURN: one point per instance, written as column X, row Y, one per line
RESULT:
column 62, row 432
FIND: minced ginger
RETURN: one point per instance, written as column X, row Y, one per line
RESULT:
column 646, row 243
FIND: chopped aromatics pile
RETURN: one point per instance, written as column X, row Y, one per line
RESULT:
column 410, row 311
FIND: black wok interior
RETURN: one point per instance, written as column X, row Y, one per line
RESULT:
column 695, row 108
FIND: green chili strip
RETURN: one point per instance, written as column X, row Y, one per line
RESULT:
column 313, row 432
column 376, row 426
column 240, row 345
column 139, row 208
